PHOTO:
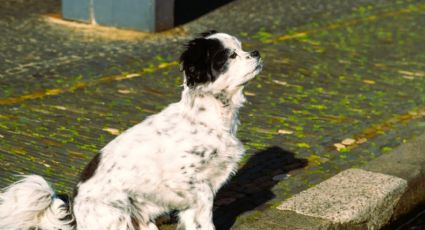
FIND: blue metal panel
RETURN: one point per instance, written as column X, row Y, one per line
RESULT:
column 134, row 14
column 78, row 10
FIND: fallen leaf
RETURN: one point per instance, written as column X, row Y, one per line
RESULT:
column 20, row 151
column 369, row 82
column 348, row 141
column 408, row 77
column 133, row 75
column 78, row 154
column 339, row 147
column 284, row 132
column 303, row 145
column 59, row 107
column 112, row 131
column 283, row 83
column 124, row 91
column 361, row 140
column 164, row 65
column 379, row 65
column 409, row 73
column 413, row 113
column 249, row 94
column 53, row 91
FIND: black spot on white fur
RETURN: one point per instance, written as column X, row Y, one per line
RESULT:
column 90, row 169
column 223, row 98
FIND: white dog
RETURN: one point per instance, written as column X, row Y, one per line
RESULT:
column 174, row 160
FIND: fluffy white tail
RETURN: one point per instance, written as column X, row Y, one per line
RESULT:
column 31, row 203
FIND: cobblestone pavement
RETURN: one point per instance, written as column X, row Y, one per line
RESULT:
column 344, row 82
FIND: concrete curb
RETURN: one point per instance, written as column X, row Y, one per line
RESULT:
column 354, row 196
column 373, row 197
column 406, row 162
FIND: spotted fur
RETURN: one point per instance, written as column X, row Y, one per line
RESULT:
column 174, row 160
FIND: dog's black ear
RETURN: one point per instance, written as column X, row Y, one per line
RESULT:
column 196, row 60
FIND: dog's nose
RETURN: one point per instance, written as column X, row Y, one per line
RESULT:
column 255, row 53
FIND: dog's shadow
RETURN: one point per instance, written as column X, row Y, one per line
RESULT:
column 251, row 187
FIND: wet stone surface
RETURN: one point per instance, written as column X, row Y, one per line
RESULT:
column 334, row 70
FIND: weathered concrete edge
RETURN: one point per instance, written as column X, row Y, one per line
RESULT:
column 352, row 197
column 406, row 162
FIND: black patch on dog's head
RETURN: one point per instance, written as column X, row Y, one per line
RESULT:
column 203, row 60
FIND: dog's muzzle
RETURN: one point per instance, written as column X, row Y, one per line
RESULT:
column 256, row 54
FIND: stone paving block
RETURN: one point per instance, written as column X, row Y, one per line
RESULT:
column 352, row 197
column 284, row 220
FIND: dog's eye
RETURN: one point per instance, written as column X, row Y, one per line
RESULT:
column 233, row 55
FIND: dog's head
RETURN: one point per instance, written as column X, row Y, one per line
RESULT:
column 216, row 61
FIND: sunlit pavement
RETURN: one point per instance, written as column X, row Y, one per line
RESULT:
column 343, row 83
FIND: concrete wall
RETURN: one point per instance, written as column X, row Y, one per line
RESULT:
column 143, row 15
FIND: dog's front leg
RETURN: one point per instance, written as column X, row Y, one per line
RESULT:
column 199, row 215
